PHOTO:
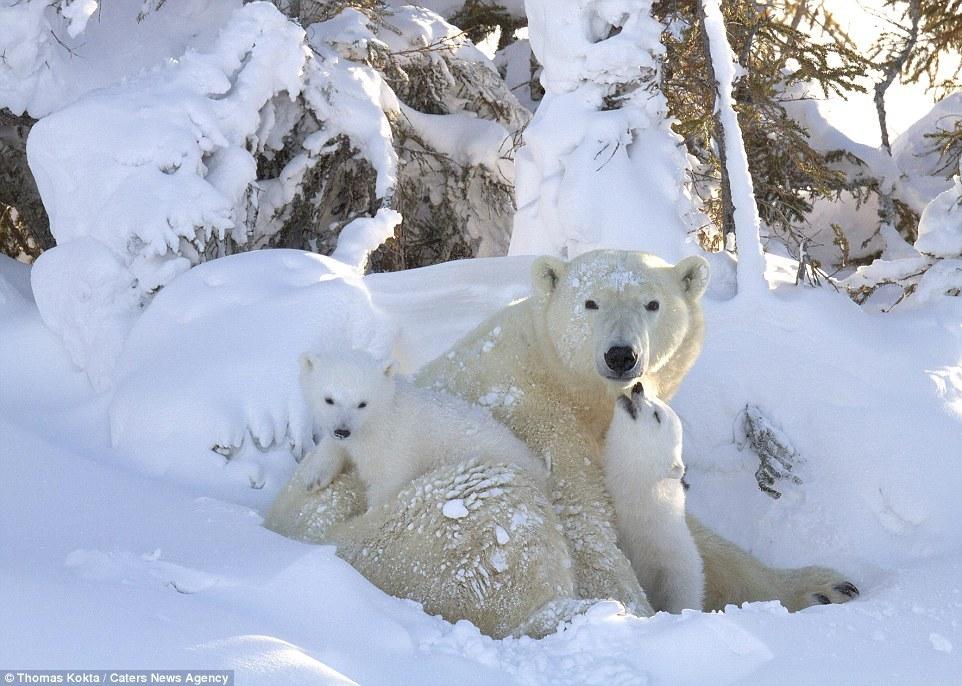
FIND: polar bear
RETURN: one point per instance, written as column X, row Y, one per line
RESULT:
column 643, row 468
column 392, row 431
column 549, row 367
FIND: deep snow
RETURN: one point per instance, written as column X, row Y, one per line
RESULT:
column 110, row 557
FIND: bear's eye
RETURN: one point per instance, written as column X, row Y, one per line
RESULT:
column 361, row 405
column 329, row 401
column 591, row 305
column 652, row 306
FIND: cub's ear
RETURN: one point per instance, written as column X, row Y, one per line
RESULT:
column 389, row 368
column 546, row 272
column 693, row 274
column 308, row 362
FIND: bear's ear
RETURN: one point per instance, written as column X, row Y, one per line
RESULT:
column 308, row 362
column 693, row 273
column 546, row 272
column 389, row 368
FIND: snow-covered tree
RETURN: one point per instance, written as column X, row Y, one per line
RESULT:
column 601, row 166
column 270, row 135
column 782, row 60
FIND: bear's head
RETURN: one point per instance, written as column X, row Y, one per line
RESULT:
column 619, row 315
column 346, row 390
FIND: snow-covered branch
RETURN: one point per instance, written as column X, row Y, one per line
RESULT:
column 751, row 261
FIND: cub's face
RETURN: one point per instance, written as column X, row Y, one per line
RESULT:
column 617, row 315
column 641, row 420
column 345, row 391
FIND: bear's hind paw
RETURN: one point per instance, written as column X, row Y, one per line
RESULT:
column 817, row 586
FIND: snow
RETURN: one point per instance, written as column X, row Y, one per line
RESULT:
column 940, row 226
column 917, row 157
column 455, row 509
column 150, row 409
column 145, row 178
column 592, row 174
column 53, row 58
column 751, row 270
column 514, row 63
column 150, row 551
column 363, row 236
column 466, row 139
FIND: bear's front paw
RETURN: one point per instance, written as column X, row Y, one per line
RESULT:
column 816, row 586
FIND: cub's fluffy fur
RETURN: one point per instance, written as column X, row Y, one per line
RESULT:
column 643, row 471
column 393, row 431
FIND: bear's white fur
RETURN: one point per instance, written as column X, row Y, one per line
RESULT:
column 392, row 431
column 537, row 365
column 643, row 470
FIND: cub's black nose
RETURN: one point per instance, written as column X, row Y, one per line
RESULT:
column 620, row 359
column 341, row 433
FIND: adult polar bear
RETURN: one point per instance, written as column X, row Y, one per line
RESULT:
column 483, row 542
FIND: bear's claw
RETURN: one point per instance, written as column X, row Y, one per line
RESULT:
column 847, row 589
column 815, row 586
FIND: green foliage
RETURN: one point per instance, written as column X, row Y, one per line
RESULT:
column 782, row 62
column 947, row 142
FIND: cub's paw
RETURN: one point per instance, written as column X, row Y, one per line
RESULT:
column 321, row 482
column 815, row 586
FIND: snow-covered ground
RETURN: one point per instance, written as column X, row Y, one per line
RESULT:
column 150, row 552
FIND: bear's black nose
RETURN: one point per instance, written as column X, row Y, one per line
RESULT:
column 341, row 433
column 620, row 359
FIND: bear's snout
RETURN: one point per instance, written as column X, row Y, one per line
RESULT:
column 342, row 433
column 621, row 359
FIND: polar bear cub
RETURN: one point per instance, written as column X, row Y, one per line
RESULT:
column 643, row 470
column 393, row 431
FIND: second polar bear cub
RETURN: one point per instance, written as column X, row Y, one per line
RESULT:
column 391, row 430
column 643, row 470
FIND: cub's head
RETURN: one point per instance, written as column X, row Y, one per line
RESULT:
column 616, row 314
column 344, row 390
column 651, row 428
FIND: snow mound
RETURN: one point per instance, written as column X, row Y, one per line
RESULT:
column 207, row 391
column 872, row 426
column 208, row 388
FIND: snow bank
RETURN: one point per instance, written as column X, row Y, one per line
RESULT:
column 207, row 390
column 97, row 548
column 211, row 366
column 874, row 426
column 600, row 166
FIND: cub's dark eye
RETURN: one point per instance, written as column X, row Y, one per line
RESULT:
column 329, row 401
column 652, row 306
column 591, row 305
column 361, row 405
